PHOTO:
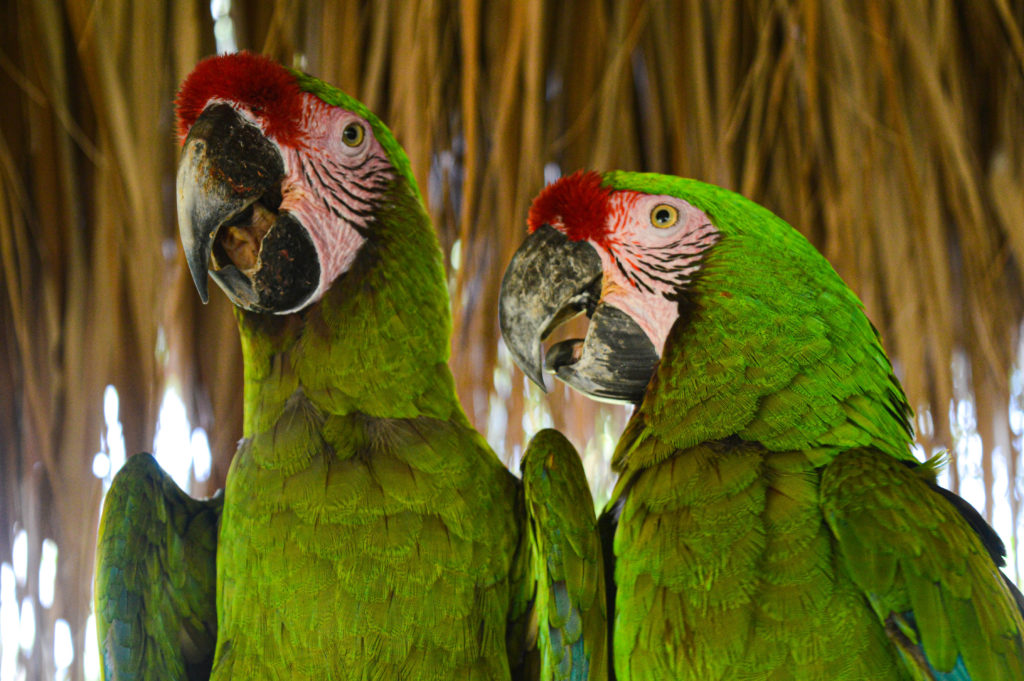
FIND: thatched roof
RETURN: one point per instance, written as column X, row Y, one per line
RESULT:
column 890, row 133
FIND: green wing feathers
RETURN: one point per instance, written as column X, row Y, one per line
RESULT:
column 925, row 571
column 156, row 577
column 567, row 561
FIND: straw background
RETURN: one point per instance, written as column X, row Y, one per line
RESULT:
column 890, row 133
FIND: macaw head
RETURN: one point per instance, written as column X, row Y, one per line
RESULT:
column 626, row 258
column 661, row 265
column 280, row 181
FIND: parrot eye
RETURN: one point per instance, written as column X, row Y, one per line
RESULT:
column 664, row 216
column 353, row 135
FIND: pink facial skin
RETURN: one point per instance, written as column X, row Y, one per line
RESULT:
column 332, row 187
column 644, row 264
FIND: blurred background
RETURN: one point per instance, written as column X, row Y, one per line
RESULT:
column 890, row 133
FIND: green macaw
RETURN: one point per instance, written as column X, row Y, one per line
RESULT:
column 769, row 519
column 366, row 530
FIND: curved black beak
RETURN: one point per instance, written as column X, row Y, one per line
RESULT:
column 229, row 191
column 550, row 280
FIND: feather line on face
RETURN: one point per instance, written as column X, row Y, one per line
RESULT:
column 646, row 268
column 335, row 189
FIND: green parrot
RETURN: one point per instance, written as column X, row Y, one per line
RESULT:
column 366, row 530
column 769, row 520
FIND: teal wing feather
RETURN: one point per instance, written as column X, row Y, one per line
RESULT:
column 926, row 566
column 568, row 563
column 521, row 634
column 156, row 577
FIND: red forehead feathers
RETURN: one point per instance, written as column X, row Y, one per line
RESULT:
column 577, row 205
column 259, row 84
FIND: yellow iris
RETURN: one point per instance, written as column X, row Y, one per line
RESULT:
column 353, row 135
column 664, row 216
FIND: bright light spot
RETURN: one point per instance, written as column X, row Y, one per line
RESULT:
column 111, row 405
column 918, row 451
column 503, row 371
column 171, row 446
column 1016, row 416
column 925, row 424
column 199, row 446
column 1002, row 517
column 964, row 419
column 219, row 8
column 19, row 556
column 9, row 623
column 91, row 659
column 973, row 490
column 114, row 436
column 456, row 255
column 63, row 647
column 967, row 444
column 224, row 35
column 47, row 572
column 101, row 465
column 497, row 414
column 970, row 453
column 223, row 27
column 551, row 172
column 27, row 635
column 497, row 424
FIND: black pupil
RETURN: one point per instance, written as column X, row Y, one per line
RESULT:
column 351, row 134
column 662, row 215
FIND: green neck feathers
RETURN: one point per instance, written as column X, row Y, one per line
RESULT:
column 377, row 343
